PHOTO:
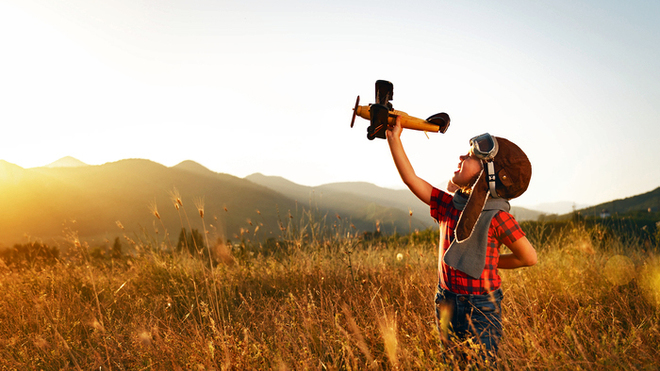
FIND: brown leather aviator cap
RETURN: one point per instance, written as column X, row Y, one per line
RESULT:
column 513, row 173
column 513, row 170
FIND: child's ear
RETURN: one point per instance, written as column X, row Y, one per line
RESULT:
column 473, row 208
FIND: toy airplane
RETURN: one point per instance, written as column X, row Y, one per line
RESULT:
column 381, row 114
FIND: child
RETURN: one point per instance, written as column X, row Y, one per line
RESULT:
column 474, row 222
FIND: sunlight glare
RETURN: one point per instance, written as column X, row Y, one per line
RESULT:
column 619, row 270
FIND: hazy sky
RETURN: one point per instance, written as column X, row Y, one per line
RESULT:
column 260, row 86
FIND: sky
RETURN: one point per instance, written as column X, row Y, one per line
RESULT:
column 258, row 86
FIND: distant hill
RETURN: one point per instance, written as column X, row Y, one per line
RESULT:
column 10, row 173
column 44, row 203
column 561, row 207
column 401, row 199
column 522, row 214
column 354, row 197
column 365, row 203
column 48, row 203
column 642, row 202
column 195, row 168
column 67, row 161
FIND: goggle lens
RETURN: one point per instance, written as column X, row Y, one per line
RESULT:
column 484, row 146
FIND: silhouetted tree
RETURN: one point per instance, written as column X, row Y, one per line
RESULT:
column 116, row 253
column 192, row 242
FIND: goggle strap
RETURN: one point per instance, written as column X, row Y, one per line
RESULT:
column 490, row 173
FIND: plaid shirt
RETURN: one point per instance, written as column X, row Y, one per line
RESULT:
column 504, row 229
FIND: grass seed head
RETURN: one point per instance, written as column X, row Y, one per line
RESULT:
column 388, row 329
column 176, row 198
column 199, row 204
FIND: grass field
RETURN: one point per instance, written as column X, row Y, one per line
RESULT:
column 321, row 298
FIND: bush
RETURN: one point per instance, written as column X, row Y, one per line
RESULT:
column 34, row 253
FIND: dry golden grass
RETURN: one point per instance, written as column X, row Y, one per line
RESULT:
column 324, row 303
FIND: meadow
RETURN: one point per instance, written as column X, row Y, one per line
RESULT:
column 322, row 296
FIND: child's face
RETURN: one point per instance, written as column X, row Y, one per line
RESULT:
column 468, row 169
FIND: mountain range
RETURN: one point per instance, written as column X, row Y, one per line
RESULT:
column 645, row 202
column 138, row 198
column 68, row 197
column 52, row 202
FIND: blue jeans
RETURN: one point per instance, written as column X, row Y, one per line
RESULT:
column 462, row 316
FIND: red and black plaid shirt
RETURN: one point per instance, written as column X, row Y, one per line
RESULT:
column 504, row 229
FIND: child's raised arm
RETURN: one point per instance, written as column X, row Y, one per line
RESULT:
column 421, row 188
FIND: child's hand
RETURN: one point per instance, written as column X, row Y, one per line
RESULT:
column 451, row 187
column 394, row 131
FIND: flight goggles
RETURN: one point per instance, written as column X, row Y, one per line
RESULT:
column 485, row 147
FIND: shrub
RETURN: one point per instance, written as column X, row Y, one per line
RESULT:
column 34, row 253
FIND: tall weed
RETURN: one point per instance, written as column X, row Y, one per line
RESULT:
column 324, row 298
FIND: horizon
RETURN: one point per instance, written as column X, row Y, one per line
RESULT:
column 555, row 207
column 255, row 87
